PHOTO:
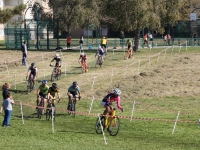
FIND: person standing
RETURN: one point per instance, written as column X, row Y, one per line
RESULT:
column 168, row 39
column 145, row 40
column 24, row 53
column 7, row 107
column 81, row 40
column 68, row 41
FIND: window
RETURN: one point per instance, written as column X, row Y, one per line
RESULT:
column 1, row 3
column 1, row 32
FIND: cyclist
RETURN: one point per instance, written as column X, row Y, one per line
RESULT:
column 42, row 92
column 32, row 73
column 129, row 43
column 83, row 58
column 52, row 93
column 108, row 99
column 100, row 53
column 58, row 62
column 73, row 91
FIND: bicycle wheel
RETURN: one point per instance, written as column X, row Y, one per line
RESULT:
column 52, row 76
column 69, row 109
column 48, row 112
column 82, row 69
column 100, row 62
column 31, row 85
column 39, row 114
column 28, row 87
column 98, row 124
column 73, row 108
column 114, row 126
column 59, row 75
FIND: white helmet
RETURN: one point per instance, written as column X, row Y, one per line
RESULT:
column 82, row 54
column 57, row 55
column 117, row 91
column 99, row 47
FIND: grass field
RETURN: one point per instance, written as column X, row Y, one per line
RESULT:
column 161, row 81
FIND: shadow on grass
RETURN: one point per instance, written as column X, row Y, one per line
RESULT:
column 19, row 91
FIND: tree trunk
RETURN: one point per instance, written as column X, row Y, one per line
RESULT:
column 137, row 40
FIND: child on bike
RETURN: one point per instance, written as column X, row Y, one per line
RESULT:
column 108, row 99
column 100, row 53
column 83, row 58
column 73, row 91
column 58, row 62
column 32, row 73
column 52, row 93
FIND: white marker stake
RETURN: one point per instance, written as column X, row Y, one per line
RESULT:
column 65, row 69
column 44, row 74
column 125, row 72
column 53, row 109
column 165, row 53
column 175, row 122
column 158, row 57
column 132, row 111
column 15, row 81
column 7, row 68
column 139, row 66
column 180, row 48
column 91, row 104
column 104, row 137
column 172, row 49
column 149, row 62
column 93, row 83
column 22, row 113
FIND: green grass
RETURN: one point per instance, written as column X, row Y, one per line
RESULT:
column 151, row 127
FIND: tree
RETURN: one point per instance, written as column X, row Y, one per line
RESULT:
column 6, row 15
column 135, row 15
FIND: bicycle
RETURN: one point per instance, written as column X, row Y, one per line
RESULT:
column 56, row 73
column 111, row 123
column 99, row 61
column 84, row 67
column 51, row 106
column 30, row 84
column 72, row 106
column 40, row 107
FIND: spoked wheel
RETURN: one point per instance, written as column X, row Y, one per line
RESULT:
column 69, row 109
column 59, row 75
column 39, row 113
column 31, row 86
column 99, row 123
column 52, row 76
column 48, row 113
column 100, row 62
column 73, row 109
column 82, row 69
column 114, row 126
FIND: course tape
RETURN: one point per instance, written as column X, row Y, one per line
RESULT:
column 121, row 117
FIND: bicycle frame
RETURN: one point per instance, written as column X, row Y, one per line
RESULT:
column 55, row 73
column 30, row 83
column 50, row 106
column 83, row 66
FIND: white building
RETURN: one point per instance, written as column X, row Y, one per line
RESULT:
column 6, row 4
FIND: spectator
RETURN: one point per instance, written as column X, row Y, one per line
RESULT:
column 195, row 40
column 81, row 39
column 165, row 40
column 168, row 39
column 7, row 107
column 68, row 41
column 5, row 90
column 38, row 45
column 24, row 53
column 145, row 40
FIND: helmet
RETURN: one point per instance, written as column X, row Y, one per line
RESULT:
column 82, row 54
column 117, row 91
column 54, row 85
column 44, row 81
column 99, row 47
column 57, row 55
column 32, row 64
column 74, row 83
column 103, row 37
